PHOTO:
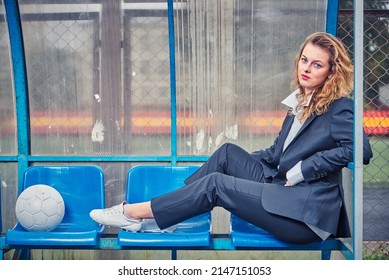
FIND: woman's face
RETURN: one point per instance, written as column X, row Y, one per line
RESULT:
column 313, row 67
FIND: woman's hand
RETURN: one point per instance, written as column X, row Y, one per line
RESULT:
column 288, row 184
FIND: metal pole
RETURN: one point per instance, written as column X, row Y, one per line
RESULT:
column 358, row 129
column 332, row 16
column 20, row 84
column 173, row 97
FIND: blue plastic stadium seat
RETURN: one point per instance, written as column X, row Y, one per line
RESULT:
column 247, row 235
column 146, row 182
column 82, row 189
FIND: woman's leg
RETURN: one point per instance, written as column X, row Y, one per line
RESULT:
column 230, row 159
column 239, row 196
column 141, row 210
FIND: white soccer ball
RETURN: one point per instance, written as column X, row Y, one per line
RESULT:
column 40, row 208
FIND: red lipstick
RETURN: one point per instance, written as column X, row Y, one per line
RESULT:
column 305, row 77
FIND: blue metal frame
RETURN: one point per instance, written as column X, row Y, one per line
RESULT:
column 173, row 96
column 332, row 16
column 358, row 131
column 20, row 83
column 218, row 242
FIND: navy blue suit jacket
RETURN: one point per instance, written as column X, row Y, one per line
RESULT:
column 324, row 144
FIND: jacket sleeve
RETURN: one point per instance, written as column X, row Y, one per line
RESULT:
column 367, row 152
column 265, row 153
column 268, row 153
column 327, row 162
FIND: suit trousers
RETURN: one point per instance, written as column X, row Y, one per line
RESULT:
column 233, row 179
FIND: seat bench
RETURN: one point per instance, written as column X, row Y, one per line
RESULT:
column 143, row 183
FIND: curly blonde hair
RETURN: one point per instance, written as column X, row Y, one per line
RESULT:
column 338, row 84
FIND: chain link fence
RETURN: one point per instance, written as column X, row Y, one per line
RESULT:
column 376, row 122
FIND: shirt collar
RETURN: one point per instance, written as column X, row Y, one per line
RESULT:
column 292, row 102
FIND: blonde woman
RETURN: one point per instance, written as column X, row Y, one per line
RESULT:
column 290, row 189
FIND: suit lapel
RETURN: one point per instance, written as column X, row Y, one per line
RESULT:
column 285, row 131
column 302, row 129
column 306, row 124
column 282, row 137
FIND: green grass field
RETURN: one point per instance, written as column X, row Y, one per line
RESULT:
column 376, row 174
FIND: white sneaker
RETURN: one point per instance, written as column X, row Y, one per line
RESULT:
column 114, row 217
column 150, row 225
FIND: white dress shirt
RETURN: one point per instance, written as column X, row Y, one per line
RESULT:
column 294, row 175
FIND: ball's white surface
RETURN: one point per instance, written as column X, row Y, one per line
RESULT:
column 40, row 208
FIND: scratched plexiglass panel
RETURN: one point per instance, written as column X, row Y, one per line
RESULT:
column 98, row 77
column 234, row 66
column 62, row 70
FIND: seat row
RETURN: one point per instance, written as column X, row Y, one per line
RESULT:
column 82, row 189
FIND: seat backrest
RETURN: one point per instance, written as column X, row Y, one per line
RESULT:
column 81, row 187
column 146, row 182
